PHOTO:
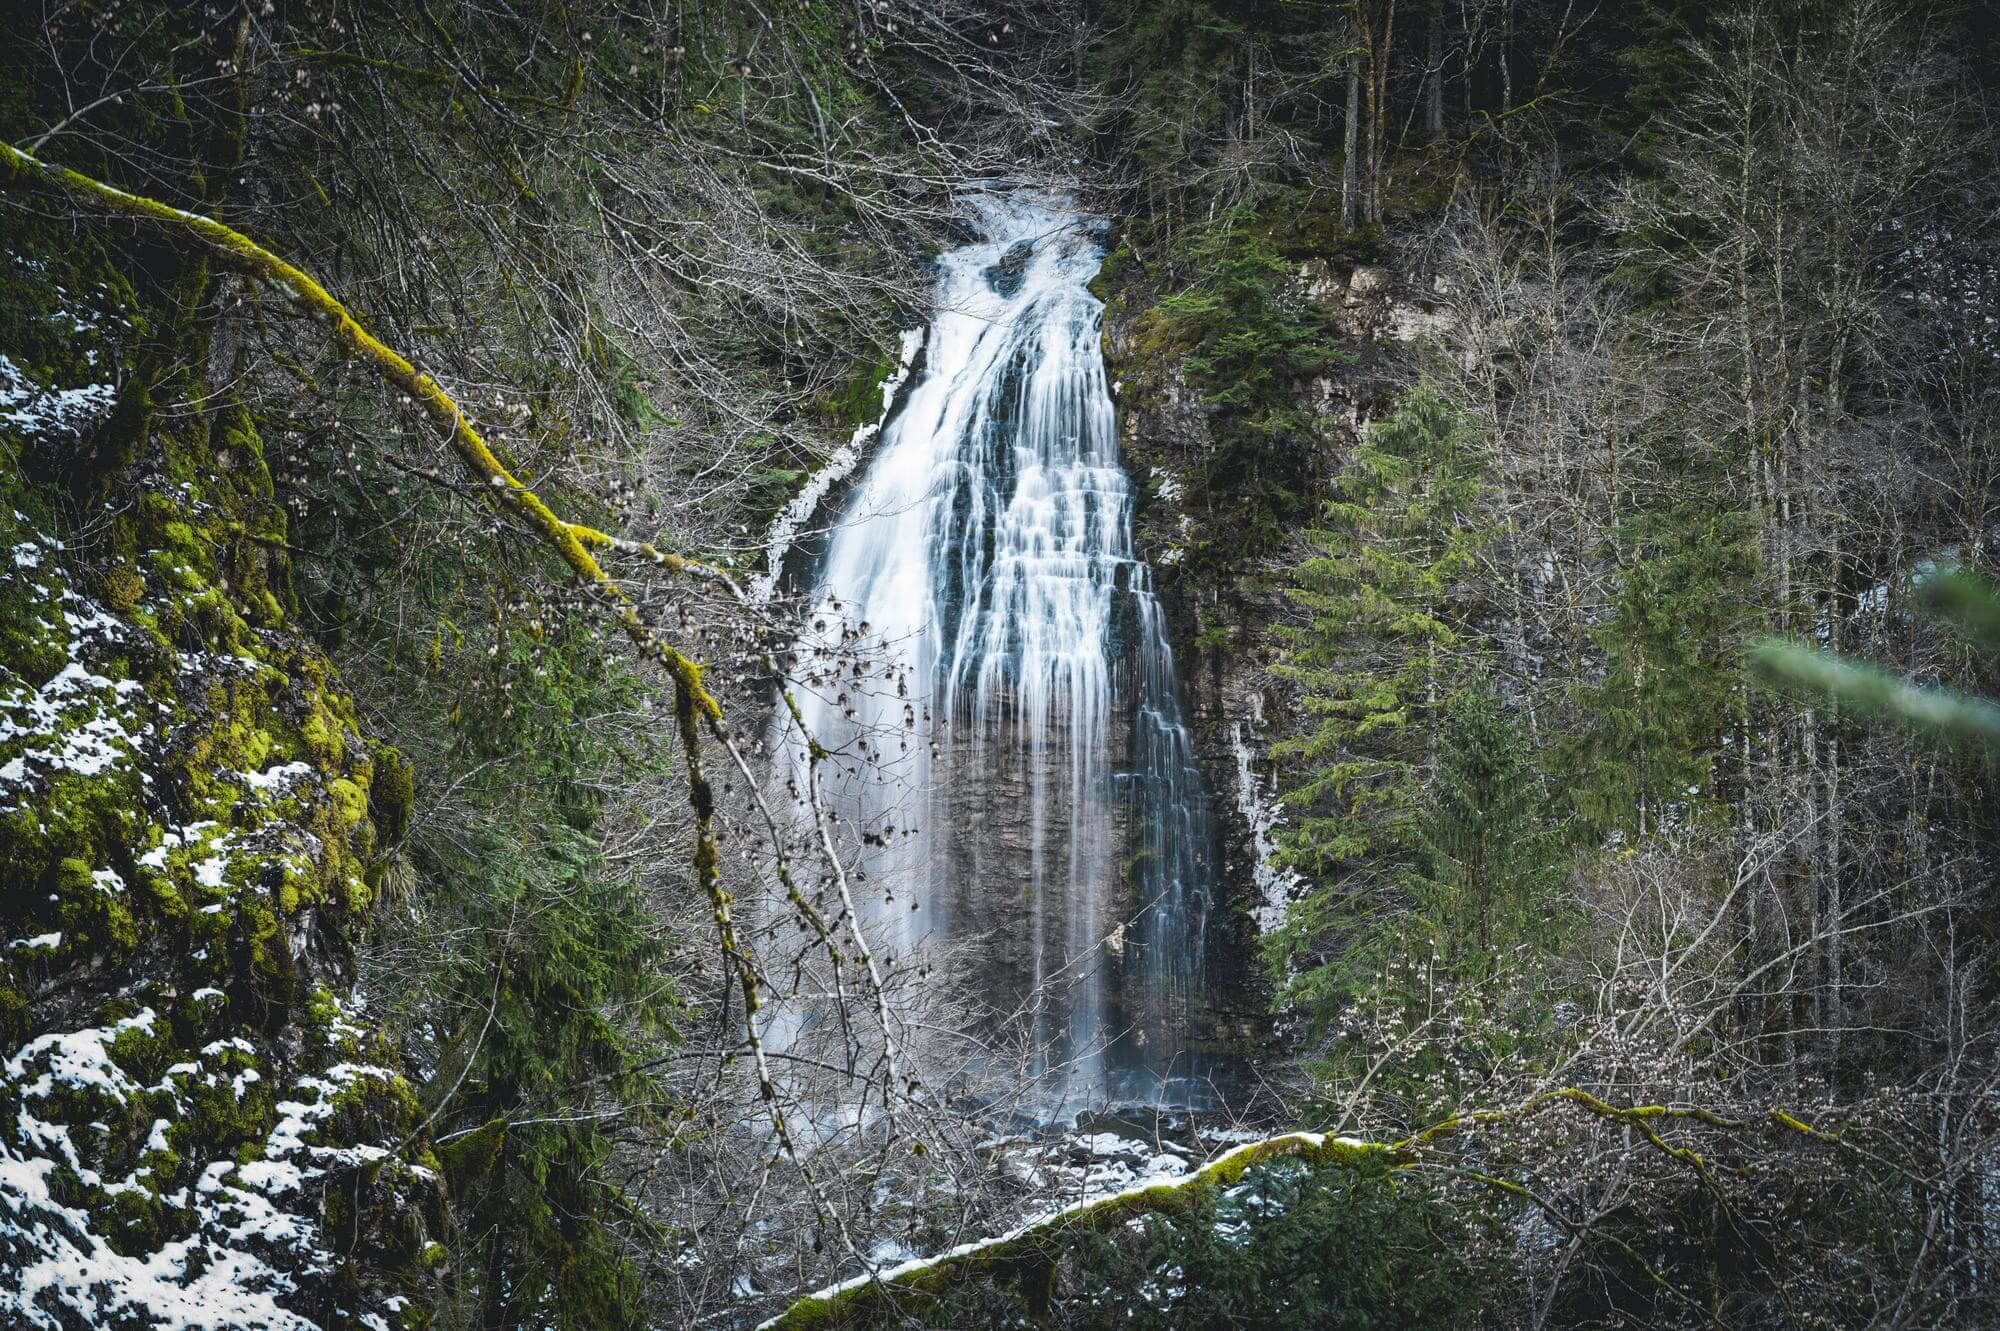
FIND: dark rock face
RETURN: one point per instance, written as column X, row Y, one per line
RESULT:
column 1006, row 276
column 1063, row 961
column 1233, row 705
column 1011, row 844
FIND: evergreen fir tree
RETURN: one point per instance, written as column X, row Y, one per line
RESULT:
column 558, row 997
column 1374, row 662
column 1657, row 719
column 1248, row 347
column 1487, row 858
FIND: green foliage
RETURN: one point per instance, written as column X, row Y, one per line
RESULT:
column 1386, row 626
column 1336, row 1250
column 1373, row 656
column 1248, row 347
column 1439, row 996
column 527, row 974
column 1487, row 857
column 1657, row 719
column 553, row 986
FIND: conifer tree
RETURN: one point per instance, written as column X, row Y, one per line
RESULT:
column 1657, row 718
column 1487, row 856
column 1249, row 347
column 542, row 994
column 1374, row 662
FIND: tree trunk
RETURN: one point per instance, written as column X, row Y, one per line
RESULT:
column 1349, row 179
column 1434, row 80
column 1378, row 108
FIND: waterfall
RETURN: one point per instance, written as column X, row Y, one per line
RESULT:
column 988, row 667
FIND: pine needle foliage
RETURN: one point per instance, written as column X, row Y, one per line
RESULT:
column 1248, row 345
column 1658, row 716
column 554, row 993
column 530, row 976
column 1487, row 858
column 1386, row 630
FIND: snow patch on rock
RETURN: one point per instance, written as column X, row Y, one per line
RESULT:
column 785, row 529
column 1259, row 808
column 34, row 409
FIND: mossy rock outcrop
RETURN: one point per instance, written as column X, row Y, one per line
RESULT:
column 195, row 1126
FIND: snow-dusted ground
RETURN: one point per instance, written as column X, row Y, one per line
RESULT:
column 144, row 1182
column 253, row 1230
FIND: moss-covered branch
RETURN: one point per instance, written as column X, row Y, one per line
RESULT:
column 1036, row 1244
column 1037, row 1241
column 570, row 541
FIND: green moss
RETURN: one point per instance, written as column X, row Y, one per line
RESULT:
column 859, row 403
column 14, row 1015
column 32, row 649
column 320, row 733
column 469, row 1159
column 320, row 1010
column 392, row 794
column 134, row 1227
column 190, row 560
column 350, row 802
column 68, row 830
column 123, row 587
column 179, row 538
column 295, row 889
column 92, row 917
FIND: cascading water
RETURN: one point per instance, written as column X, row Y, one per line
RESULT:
column 988, row 667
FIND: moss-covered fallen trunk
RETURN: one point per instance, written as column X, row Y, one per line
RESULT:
column 1028, row 1253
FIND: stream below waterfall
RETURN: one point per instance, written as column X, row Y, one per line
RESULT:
column 986, row 663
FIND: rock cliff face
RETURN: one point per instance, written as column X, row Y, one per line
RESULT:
column 1224, row 624
column 1016, row 833
column 1009, row 836
column 195, row 1124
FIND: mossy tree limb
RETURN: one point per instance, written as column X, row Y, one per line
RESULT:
column 1035, row 1245
column 570, row 541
